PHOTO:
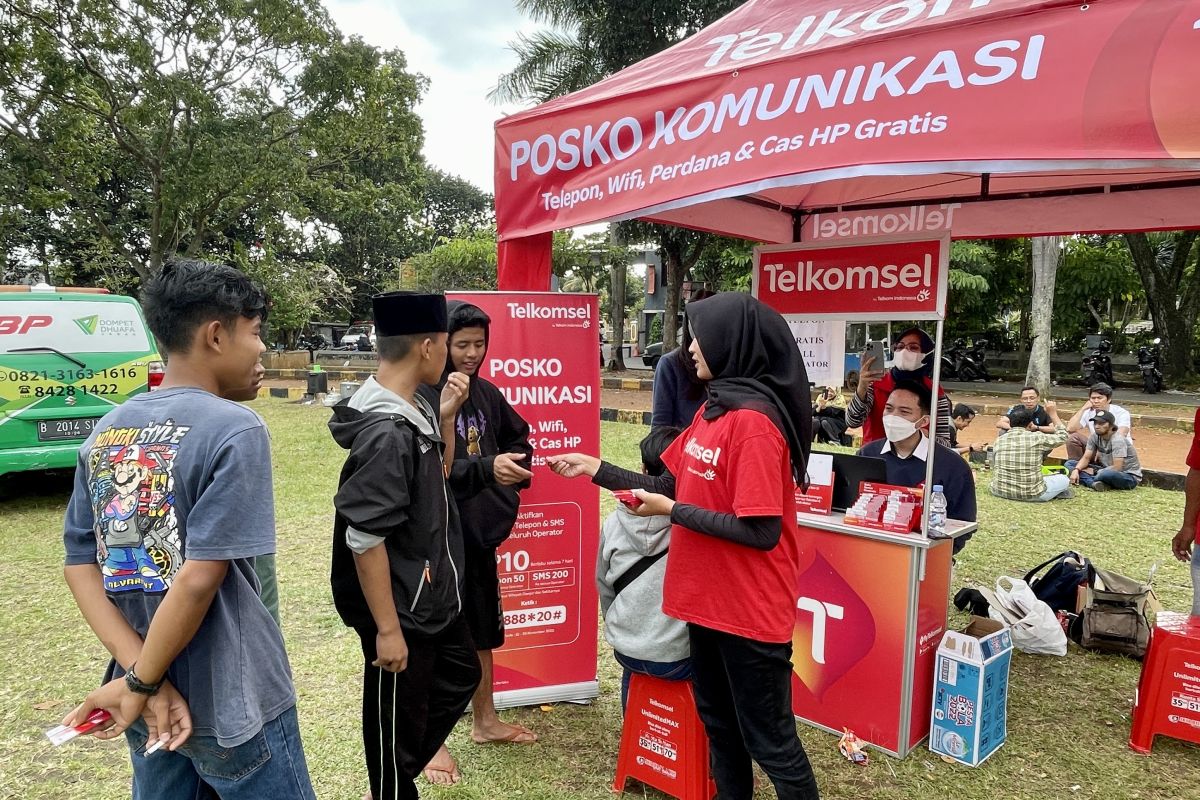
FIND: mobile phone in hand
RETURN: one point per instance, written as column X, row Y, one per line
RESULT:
column 627, row 498
column 878, row 351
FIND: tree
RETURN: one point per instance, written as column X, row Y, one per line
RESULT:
column 299, row 288
column 452, row 205
column 140, row 130
column 1166, row 264
column 1097, row 289
column 1047, row 251
column 595, row 38
column 463, row 263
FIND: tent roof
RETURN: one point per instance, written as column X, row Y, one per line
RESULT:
column 783, row 108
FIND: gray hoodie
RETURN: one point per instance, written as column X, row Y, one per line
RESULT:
column 634, row 622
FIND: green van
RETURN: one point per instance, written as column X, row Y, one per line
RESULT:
column 67, row 356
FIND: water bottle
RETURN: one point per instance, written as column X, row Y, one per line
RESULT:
column 937, row 513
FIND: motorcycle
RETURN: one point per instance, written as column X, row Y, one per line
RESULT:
column 1149, row 360
column 1097, row 365
column 970, row 364
column 313, row 342
column 950, row 360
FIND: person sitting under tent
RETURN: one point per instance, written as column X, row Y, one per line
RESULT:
column 905, row 448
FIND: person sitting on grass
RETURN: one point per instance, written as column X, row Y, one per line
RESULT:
column 1017, row 458
column 961, row 418
column 1109, row 462
column 1031, row 399
column 629, row 576
column 1081, row 426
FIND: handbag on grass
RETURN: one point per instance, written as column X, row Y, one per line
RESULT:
column 1114, row 618
column 1059, row 587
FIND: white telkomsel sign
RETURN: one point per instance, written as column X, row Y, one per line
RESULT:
column 823, row 345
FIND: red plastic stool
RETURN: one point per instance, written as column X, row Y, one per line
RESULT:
column 663, row 743
column 1168, row 695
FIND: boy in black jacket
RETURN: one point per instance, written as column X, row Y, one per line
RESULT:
column 397, row 546
column 491, row 435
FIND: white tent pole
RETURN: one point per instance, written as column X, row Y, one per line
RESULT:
column 933, row 410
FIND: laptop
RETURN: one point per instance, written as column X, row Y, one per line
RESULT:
column 849, row 472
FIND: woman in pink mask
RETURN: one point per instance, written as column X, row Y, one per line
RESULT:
column 912, row 360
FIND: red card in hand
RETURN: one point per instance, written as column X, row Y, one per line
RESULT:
column 627, row 498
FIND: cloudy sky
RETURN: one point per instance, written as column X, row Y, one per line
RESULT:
column 462, row 47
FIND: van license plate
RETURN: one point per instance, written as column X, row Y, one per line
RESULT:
column 51, row 430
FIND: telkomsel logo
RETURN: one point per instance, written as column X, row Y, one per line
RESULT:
column 834, row 628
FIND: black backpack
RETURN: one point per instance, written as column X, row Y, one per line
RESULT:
column 1059, row 587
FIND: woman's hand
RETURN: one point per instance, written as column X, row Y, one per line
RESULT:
column 574, row 465
column 867, row 376
column 653, row 505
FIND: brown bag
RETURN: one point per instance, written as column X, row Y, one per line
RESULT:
column 1114, row 619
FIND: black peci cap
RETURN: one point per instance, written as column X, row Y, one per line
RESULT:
column 405, row 313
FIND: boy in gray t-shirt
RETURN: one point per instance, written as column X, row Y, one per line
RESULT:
column 172, row 504
column 1109, row 461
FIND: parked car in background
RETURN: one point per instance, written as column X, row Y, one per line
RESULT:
column 654, row 351
column 359, row 337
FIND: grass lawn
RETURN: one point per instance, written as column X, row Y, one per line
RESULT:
column 1068, row 717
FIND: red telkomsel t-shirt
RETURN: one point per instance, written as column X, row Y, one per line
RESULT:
column 736, row 463
column 1193, row 459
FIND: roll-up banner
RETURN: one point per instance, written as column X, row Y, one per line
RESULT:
column 543, row 356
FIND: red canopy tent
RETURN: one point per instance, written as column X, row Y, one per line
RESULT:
column 792, row 120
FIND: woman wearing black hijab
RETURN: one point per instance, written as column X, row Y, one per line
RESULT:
column 733, row 566
column 912, row 360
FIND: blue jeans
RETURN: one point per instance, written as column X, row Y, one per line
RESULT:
column 1114, row 478
column 667, row 670
column 1055, row 485
column 270, row 766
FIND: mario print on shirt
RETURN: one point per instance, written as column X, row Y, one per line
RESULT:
column 130, row 474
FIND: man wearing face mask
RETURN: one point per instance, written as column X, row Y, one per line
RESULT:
column 912, row 360
column 905, row 449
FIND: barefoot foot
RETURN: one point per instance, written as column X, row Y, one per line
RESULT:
column 503, row 733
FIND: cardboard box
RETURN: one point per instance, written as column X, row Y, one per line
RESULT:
column 970, row 693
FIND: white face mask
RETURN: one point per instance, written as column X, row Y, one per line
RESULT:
column 897, row 429
column 907, row 360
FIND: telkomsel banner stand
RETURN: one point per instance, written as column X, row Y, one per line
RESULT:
column 542, row 354
column 872, row 604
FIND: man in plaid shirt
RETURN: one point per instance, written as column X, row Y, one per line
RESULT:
column 1017, row 458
